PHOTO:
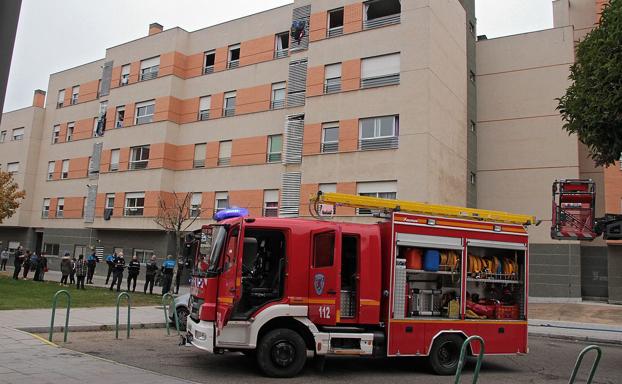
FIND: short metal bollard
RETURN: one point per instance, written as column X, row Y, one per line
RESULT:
column 129, row 307
column 577, row 365
column 55, row 299
column 168, row 330
column 462, row 359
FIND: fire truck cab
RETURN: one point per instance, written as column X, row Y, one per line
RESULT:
column 412, row 285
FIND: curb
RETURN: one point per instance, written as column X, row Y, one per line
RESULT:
column 588, row 339
column 91, row 328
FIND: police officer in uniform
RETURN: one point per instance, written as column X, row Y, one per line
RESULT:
column 110, row 263
column 152, row 268
column 91, row 263
column 168, row 267
column 117, row 272
column 133, row 269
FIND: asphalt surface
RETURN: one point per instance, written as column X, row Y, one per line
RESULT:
column 549, row 361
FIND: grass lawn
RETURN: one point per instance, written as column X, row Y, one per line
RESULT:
column 28, row 294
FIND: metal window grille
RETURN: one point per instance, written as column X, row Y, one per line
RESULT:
column 281, row 54
column 277, row 104
column 139, row 164
column 378, row 143
column 209, row 69
column 233, row 64
column 334, row 32
column 222, row 161
column 332, row 85
column 204, row 115
column 228, row 112
column 380, row 81
column 382, row 21
column 330, row 147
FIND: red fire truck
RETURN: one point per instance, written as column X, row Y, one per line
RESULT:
column 414, row 284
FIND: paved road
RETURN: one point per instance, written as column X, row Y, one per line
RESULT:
column 550, row 361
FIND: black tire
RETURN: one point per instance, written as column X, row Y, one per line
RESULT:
column 281, row 353
column 182, row 316
column 445, row 353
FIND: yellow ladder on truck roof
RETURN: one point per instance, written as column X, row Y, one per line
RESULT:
column 355, row 201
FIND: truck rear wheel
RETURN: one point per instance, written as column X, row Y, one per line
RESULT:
column 445, row 353
column 281, row 353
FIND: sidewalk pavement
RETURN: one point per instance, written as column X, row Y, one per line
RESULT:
column 26, row 359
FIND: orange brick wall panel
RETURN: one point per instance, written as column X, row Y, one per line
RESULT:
column 156, row 156
column 348, row 135
column 189, row 110
column 67, row 100
column 110, row 115
column 104, row 160
column 351, row 75
column 134, row 72
column 600, row 4
column 311, row 139
column 613, row 189
column 249, row 199
column 217, row 101
column 124, row 158
column 129, row 115
column 152, row 200
column 349, row 188
column 62, row 135
column 211, row 156
column 315, row 81
column 58, row 167
column 116, row 77
column 119, row 204
column 257, row 50
column 255, row 99
column 38, row 100
column 167, row 108
column 220, row 61
column 194, row 65
column 83, row 129
column 185, row 157
column 170, row 156
column 249, row 151
column 306, row 190
column 353, row 18
column 88, row 91
column 53, row 203
column 207, row 205
column 73, row 207
column 173, row 63
column 100, row 204
column 78, row 168
column 317, row 26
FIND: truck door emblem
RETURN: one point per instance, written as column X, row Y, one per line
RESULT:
column 318, row 283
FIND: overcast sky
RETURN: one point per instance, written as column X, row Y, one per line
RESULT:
column 60, row 34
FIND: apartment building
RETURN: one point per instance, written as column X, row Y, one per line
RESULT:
column 390, row 98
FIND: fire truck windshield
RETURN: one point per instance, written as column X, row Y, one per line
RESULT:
column 208, row 257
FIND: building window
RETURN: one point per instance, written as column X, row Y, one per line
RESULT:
column 55, row 134
column 61, row 98
column 200, row 151
column 65, row 170
column 114, row 160
column 2, row 136
column 96, row 131
column 278, row 95
column 323, row 249
column 18, row 134
column 70, row 128
column 139, row 157
column 221, row 201
column 330, row 137
column 205, row 103
column 149, row 68
column 125, row 75
column 332, row 74
column 45, row 213
column 75, row 93
column 275, row 148
column 51, row 249
column 473, row 178
column 328, row 188
column 144, row 112
column 379, row 13
column 378, row 132
column 472, row 76
column 143, row 255
column 472, row 126
column 208, row 64
column 381, row 189
column 12, row 168
column 195, row 204
column 51, row 167
column 335, row 23
column 230, row 103
column 281, row 48
column 109, row 207
column 224, row 153
column 60, row 208
column 234, row 56
column 380, row 71
column 119, row 116
column 271, row 202
column 134, row 204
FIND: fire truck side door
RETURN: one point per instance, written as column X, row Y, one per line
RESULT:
column 227, row 282
column 324, row 277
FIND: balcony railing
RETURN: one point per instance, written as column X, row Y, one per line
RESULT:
column 280, row 54
column 148, row 75
column 277, row 104
column 332, row 85
column 380, row 81
column 45, row 214
column 74, row 100
column 139, row 164
column 204, row 115
column 334, row 32
column 382, row 21
column 209, row 69
column 330, row 147
column 198, row 163
column 378, row 143
column 114, row 167
column 60, row 214
column 144, row 119
column 233, row 64
column 274, row 157
column 135, row 211
column 228, row 112
column 222, row 161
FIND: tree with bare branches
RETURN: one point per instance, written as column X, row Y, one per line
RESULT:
column 10, row 196
column 175, row 215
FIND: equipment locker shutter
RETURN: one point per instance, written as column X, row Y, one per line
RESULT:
column 95, row 160
column 106, row 79
column 89, row 209
column 423, row 241
column 496, row 244
column 301, row 14
column 294, row 130
column 297, row 83
column 290, row 194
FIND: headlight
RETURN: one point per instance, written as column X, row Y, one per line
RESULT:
column 200, row 335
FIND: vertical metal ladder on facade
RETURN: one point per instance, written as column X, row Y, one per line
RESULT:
column 388, row 205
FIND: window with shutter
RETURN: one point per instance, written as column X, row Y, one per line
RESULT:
column 380, row 71
column 205, row 103
column 224, row 153
column 149, row 68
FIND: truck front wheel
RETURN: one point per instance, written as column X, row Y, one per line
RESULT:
column 281, row 353
column 445, row 353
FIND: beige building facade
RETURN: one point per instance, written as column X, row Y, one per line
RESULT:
column 390, row 98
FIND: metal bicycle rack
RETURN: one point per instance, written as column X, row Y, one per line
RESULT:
column 462, row 359
column 129, row 306
column 164, row 305
column 577, row 365
column 55, row 299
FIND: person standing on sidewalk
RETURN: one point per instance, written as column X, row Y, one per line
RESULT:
column 133, row 270
column 65, row 268
column 17, row 263
column 81, row 269
column 152, row 269
column 72, row 273
column 117, row 273
column 110, row 263
column 91, row 263
column 168, row 267
column 4, row 258
column 28, row 263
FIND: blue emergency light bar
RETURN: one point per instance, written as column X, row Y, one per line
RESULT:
column 230, row 212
